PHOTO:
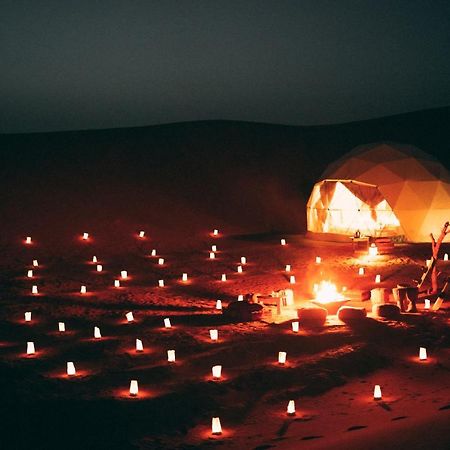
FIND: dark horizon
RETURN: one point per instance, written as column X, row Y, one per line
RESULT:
column 110, row 65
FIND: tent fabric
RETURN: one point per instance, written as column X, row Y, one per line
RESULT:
column 395, row 182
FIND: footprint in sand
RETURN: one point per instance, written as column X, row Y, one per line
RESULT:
column 400, row 418
column 308, row 438
column 443, row 408
column 356, row 427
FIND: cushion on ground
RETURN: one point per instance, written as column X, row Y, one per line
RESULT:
column 387, row 311
column 350, row 313
column 312, row 316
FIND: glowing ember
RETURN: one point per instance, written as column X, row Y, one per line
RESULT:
column 217, row 372
column 134, row 390
column 291, row 408
column 327, row 292
column 377, row 392
column 216, row 427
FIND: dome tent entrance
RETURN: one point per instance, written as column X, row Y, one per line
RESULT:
column 382, row 189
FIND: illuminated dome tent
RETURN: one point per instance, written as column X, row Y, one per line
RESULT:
column 382, row 189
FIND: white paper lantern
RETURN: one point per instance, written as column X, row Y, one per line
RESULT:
column 116, row 283
column 153, row 253
column 214, row 248
column 224, row 277
column 239, row 269
column 243, row 260
column 99, row 267
column 422, row 354
column 35, row 263
column 361, row 271
column 240, row 298
column 28, row 316
column 283, row 241
column 97, row 334
column 287, row 268
column 212, row 255
column 292, row 279
column 61, row 327
column 34, row 290
column 215, row 232
column 134, row 390
column 219, row 305
column 373, row 250
column 318, row 259
column 295, row 327
column 85, row 236
column 427, row 303
column 129, row 316
column 141, row 234
column 123, row 274
column 167, row 323
column 377, row 392
column 30, row 348
column 184, row 277
column 217, row 372
column 139, row 346
column 291, row 408
column 94, row 259
column 30, row 274
column 171, row 356
column 161, row 283
column 216, row 427
column 161, row 261
column 71, row 371
column 378, row 279
column 28, row 240
column 83, row 290
column 214, row 334
column 282, row 357
column 446, row 257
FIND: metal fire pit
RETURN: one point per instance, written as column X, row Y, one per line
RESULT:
column 331, row 307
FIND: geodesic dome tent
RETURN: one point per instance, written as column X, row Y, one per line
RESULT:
column 382, row 189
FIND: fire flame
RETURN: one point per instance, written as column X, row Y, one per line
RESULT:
column 327, row 292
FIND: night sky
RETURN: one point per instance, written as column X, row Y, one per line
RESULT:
column 104, row 64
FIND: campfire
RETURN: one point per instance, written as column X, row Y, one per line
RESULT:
column 328, row 297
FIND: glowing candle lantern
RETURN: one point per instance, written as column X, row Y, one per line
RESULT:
column 224, row 277
column 214, row 334
column 161, row 261
column 99, row 267
column 239, row 269
column 123, row 274
column 446, row 257
column 139, row 346
column 283, row 241
column 215, row 232
column 291, row 408
column 295, row 327
column 30, row 348
column 134, row 390
column 219, row 305
column 85, row 236
column 216, row 427
column 427, row 303
column 94, row 259
column 61, row 327
column 377, row 278
column 287, row 268
column 373, row 250
column 30, row 274
column 214, row 248
column 153, row 253
column 161, row 283
column 83, row 290
column 240, row 298
column 217, row 372
column 377, row 392
column 243, row 260
column 184, row 277
column 34, row 290
column 28, row 240
column 28, row 316
column 167, row 323
column 212, row 255
column 141, row 234
column 35, row 263
column 318, row 259
column 282, row 357
column 71, row 371
column 292, row 279
column 117, row 283
column 422, row 354
column 361, row 271
column 171, row 356
column 129, row 316
column 97, row 334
